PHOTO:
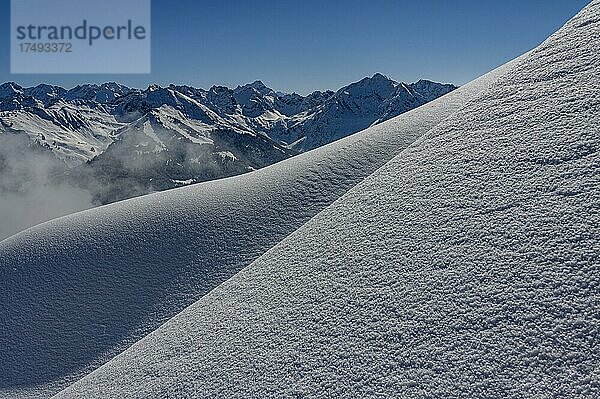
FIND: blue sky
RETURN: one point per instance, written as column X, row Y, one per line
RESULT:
column 307, row 45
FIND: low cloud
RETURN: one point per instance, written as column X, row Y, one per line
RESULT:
column 32, row 186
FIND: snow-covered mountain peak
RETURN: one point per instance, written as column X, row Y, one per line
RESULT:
column 10, row 89
column 259, row 86
column 378, row 75
column 102, row 94
column 192, row 92
column 222, row 98
column 115, row 87
column 45, row 93
column 255, row 99
column 153, row 87
column 368, row 92
column 430, row 90
column 162, row 95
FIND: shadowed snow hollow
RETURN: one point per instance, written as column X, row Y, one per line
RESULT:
column 467, row 266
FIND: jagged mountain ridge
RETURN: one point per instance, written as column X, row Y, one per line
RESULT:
column 250, row 108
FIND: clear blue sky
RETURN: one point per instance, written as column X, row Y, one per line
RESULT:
column 306, row 45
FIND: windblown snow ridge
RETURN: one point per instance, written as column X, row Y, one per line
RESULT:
column 77, row 290
column 467, row 266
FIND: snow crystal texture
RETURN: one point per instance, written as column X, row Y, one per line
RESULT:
column 466, row 267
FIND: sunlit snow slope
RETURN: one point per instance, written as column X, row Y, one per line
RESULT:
column 78, row 290
column 467, row 266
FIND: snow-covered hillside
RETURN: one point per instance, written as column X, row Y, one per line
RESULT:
column 449, row 252
column 90, row 284
column 467, row 266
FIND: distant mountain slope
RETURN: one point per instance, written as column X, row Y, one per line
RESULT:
column 250, row 108
column 74, row 133
column 164, row 149
column 467, row 266
column 90, row 284
column 356, row 107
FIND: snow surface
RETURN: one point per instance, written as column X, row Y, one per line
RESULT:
column 467, row 266
column 78, row 290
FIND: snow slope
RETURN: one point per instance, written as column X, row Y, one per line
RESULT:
column 467, row 266
column 77, row 290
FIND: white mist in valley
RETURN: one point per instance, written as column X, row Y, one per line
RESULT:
column 31, row 188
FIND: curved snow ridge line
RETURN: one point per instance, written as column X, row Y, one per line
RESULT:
column 498, row 79
column 467, row 266
column 223, row 285
column 77, row 290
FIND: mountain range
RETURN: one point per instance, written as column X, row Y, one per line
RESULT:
column 120, row 142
